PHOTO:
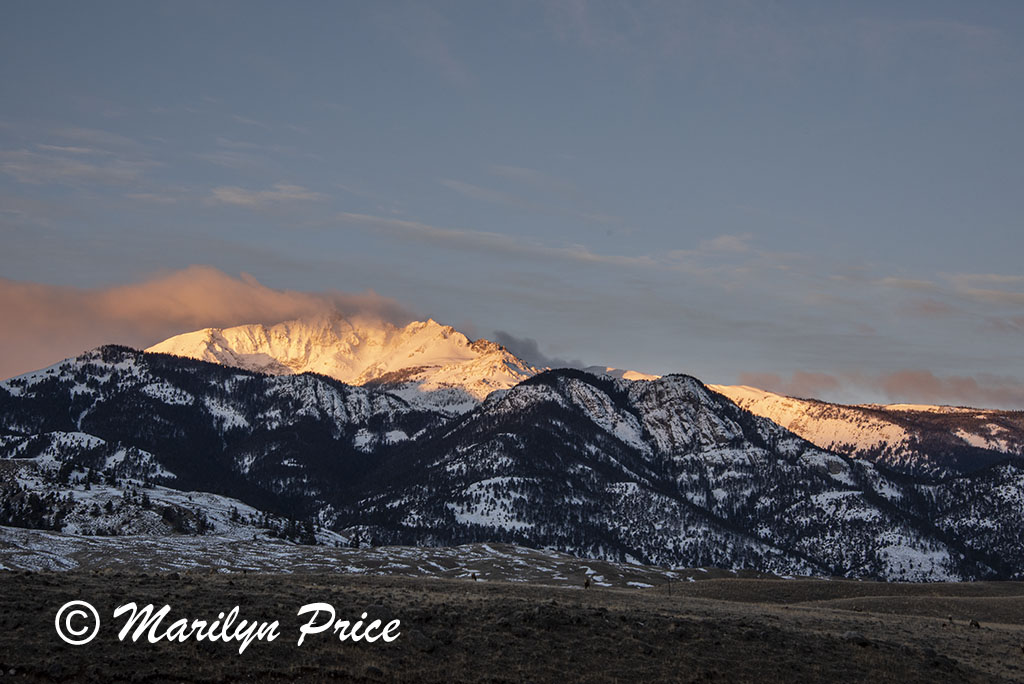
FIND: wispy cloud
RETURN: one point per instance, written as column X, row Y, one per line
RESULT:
column 424, row 32
column 977, row 289
column 728, row 243
column 536, row 178
column 991, row 288
column 910, row 385
column 775, row 41
column 906, row 284
column 250, row 122
column 494, row 243
column 231, row 144
column 582, row 21
column 69, row 149
column 723, row 262
column 152, row 197
column 1010, row 324
column 38, row 168
column 928, row 308
column 501, row 197
column 486, row 194
column 281, row 192
column 93, row 136
column 234, row 159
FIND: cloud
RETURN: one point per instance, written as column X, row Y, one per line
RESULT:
column 993, row 289
column 485, row 194
column 250, row 122
column 508, row 199
column 907, row 284
column 801, row 384
column 993, row 296
column 480, row 241
column 46, row 323
column 37, row 168
column 910, row 385
column 282, row 192
column 568, row 201
column 928, row 308
column 152, row 197
column 576, row 20
column 989, row 288
column 723, row 267
column 1012, row 324
column 728, row 243
column 528, row 350
column 922, row 385
column 424, row 32
column 535, row 178
column 234, row 159
column 71, row 149
column 96, row 137
column 996, row 278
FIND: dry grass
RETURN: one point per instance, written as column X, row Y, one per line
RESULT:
column 734, row 630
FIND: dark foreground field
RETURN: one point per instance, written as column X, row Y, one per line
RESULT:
column 735, row 630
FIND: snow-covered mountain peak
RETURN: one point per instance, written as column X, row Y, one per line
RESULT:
column 910, row 437
column 423, row 356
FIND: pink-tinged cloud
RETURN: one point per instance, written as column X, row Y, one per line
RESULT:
column 801, row 384
column 44, row 324
column 970, row 391
column 904, row 386
column 927, row 308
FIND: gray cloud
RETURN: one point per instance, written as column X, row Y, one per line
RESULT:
column 70, row 168
column 486, row 194
column 281, row 192
column 528, row 350
column 98, row 138
column 535, row 178
column 424, row 32
column 480, row 241
column 508, row 199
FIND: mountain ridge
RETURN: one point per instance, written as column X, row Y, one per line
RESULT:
column 911, row 438
column 666, row 471
column 333, row 430
column 424, row 361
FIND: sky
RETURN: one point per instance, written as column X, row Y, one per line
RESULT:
column 822, row 199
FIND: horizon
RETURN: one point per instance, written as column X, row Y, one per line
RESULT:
column 524, row 350
column 816, row 201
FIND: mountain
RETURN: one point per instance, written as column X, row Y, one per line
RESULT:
column 438, row 369
column 424, row 362
column 910, row 438
column 915, row 439
column 662, row 471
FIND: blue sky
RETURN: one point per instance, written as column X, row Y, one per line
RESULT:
column 822, row 198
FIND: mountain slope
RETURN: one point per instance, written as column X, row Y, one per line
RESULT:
column 662, row 471
column 427, row 362
column 920, row 440
column 287, row 444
